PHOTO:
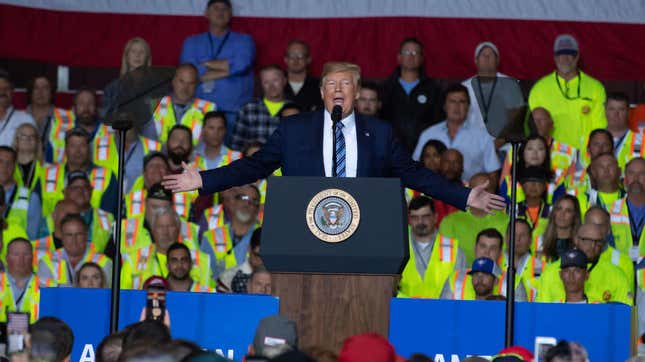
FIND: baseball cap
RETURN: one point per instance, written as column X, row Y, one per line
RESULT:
column 274, row 331
column 156, row 281
column 513, row 354
column 575, row 258
column 367, row 347
column 483, row 45
column 483, row 265
column 158, row 192
column 565, row 44
column 533, row 173
column 75, row 175
column 211, row 2
column 152, row 155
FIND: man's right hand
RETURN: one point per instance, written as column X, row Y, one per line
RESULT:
column 189, row 180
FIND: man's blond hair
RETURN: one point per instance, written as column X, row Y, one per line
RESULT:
column 341, row 67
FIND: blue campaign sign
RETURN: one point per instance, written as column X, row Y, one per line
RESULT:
column 223, row 322
column 449, row 330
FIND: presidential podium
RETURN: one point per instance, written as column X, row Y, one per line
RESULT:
column 335, row 248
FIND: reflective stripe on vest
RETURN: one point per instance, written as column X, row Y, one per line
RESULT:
column 51, row 178
column 447, row 252
column 131, row 231
column 98, row 178
column 136, row 202
column 215, row 216
column 181, row 204
column 102, row 148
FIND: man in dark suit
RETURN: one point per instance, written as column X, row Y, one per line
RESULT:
column 302, row 146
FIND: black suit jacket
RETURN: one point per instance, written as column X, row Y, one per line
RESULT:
column 296, row 147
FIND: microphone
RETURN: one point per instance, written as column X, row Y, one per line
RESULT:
column 336, row 114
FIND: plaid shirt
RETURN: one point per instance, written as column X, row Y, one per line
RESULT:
column 254, row 123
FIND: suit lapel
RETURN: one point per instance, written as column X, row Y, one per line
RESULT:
column 363, row 145
column 317, row 125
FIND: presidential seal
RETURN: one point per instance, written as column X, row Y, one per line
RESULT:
column 333, row 215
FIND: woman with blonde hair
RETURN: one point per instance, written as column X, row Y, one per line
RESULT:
column 29, row 150
column 136, row 54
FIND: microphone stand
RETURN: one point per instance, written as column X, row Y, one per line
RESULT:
column 510, row 273
column 121, row 126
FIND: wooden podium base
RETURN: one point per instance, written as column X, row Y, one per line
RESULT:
column 328, row 308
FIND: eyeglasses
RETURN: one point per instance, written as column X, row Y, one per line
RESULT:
column 598, row 242
column 247, row 198
column 409, row 52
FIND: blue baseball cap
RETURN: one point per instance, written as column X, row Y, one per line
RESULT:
column 483, row 265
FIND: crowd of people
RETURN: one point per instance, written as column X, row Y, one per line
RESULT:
column 581, row 177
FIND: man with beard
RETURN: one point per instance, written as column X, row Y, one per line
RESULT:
column 181, row 106
column 179, row 147
column 228, row 245
column 10, row 118
column 179, row 265
column 259, row 118
column 479, row 283
column 146, row 261
column 433, row 257
column 78, row 158
column 85, row 117
column 628, row 213
column 451, row 166
column 137, row 228
column 574, row 99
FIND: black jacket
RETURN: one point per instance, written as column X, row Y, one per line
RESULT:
column 309, row 96
column 411, row 114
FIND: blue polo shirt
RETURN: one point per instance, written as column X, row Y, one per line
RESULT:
column 230, row 93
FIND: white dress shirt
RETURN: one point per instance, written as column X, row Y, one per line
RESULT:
column 351, row 145
column 10, row 122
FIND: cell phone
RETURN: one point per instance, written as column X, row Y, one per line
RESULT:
column 17, row 329
column 542, row 346
column 156, row 304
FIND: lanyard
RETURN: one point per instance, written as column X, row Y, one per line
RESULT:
column 215, row 54
column 486, row 104
column 22, row 294
column 566, row 94
column 636, row 232
column 6, row 122
column 131, row 152
column 11, row 200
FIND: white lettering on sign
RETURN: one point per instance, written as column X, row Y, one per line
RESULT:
column 453, row 357
column 88, row 354
column 230, row 354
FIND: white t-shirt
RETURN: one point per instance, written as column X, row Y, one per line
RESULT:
column 12, row 119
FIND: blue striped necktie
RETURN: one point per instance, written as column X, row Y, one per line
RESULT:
column 340, row 150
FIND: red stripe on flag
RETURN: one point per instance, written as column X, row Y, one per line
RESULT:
column 609, row 51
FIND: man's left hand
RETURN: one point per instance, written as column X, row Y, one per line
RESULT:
column 480, row 199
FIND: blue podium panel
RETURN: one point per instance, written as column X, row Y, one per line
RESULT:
column 452, row 330
column 224, row 322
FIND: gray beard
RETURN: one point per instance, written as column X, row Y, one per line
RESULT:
column 243, row 217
